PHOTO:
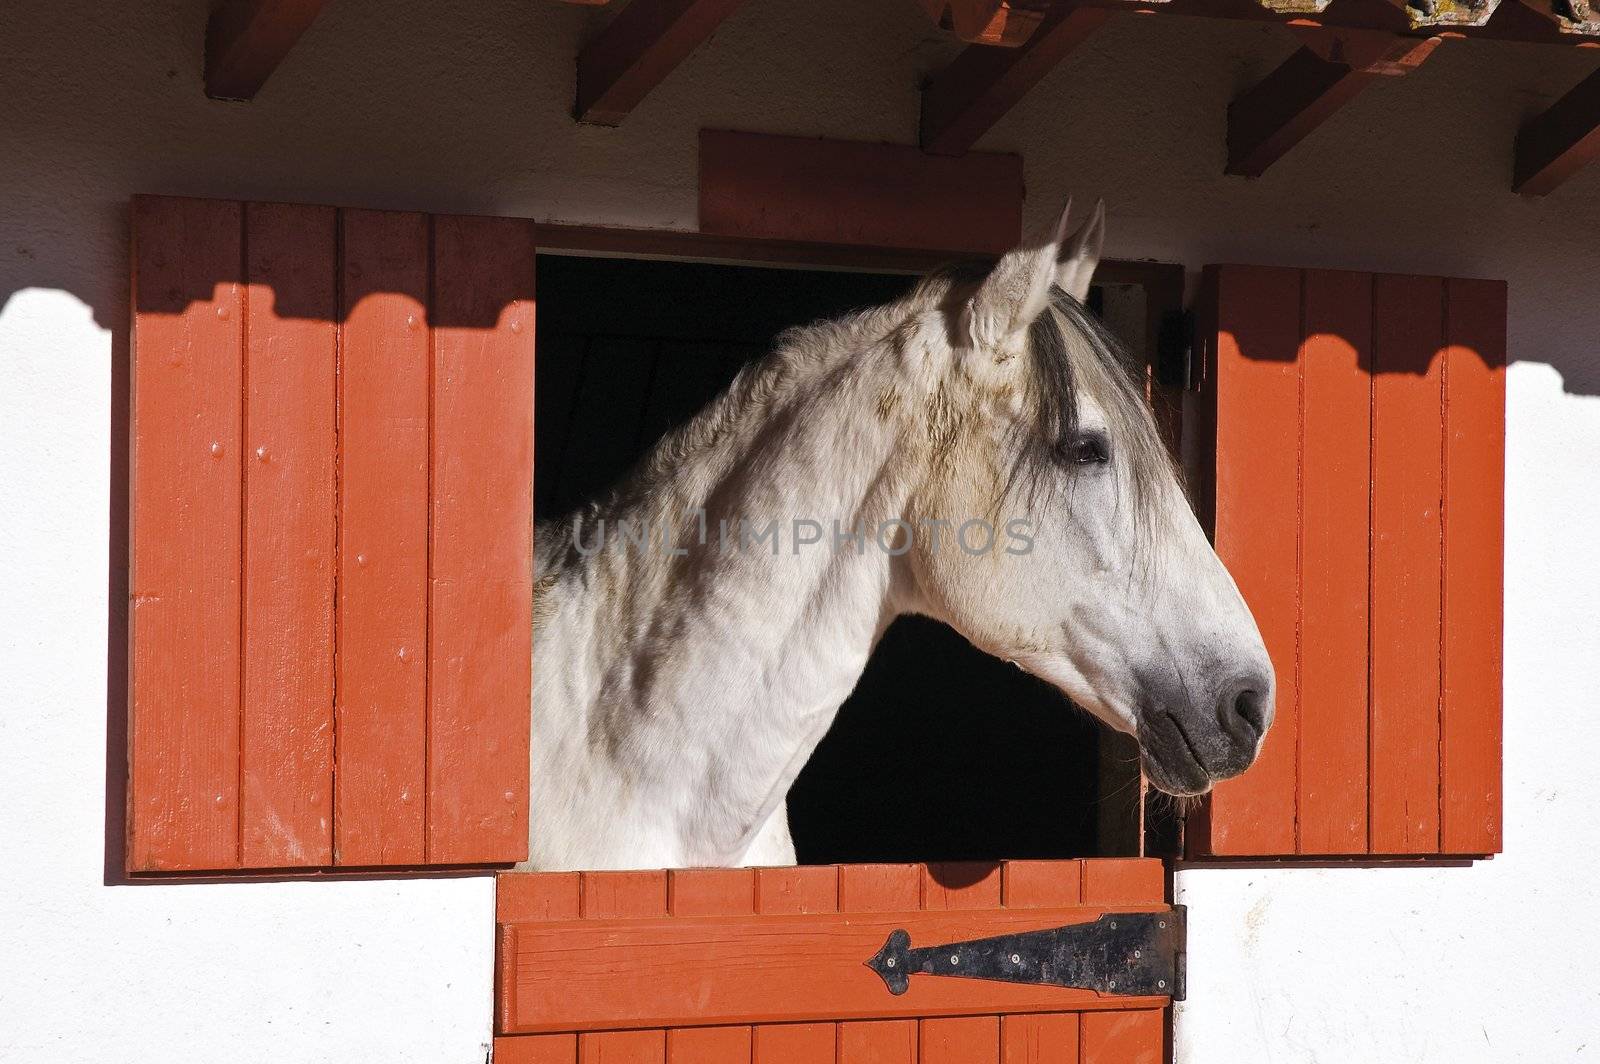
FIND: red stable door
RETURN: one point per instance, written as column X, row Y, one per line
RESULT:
column 797, row 965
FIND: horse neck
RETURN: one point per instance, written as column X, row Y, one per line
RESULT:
column 678, row 696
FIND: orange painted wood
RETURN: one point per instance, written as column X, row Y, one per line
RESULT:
column 804, row 889
column 708, row 1045
column 623, row 1047
column 961, row 885
column 247, row 39
column 1138, row 1036
column 293, row 702
column 801, row 889
column 1124, row 882
column 609, row 896
column 1474, row 549
column 286, row 729
column 710, row 892
column 790, row 968
column 951, row 886
column 1134, row 1037
column 1254, row 389
column 184, row 616
column 868, row 889
column 536, row 1049
column 381, row 788
column 961, row 1040
column 1041, row 884
column 878, row 1042
column 881, row 888
column 520, row 896
column 1407, row 446
column 850, row 192
column 480, row 546
column 793, row 1043
column 637, row 50
column 1046, row 1038
column 964, row 100
column 1335, row 489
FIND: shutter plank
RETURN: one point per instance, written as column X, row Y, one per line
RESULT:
column 183, row 809
column 536, row 1049
column 1255, row 385
column 1044, row 1038
column 608, row 895
column 1406, row 531
column 975, row 1039
column 961, row 1040
column 1474, row 549
column 1336, row 446
column 710, row 892
column 1136, row 1036
column 804, row 889
column 792, row 1043
column 286, row 739
column 878, row 889
column 481, row 548
column 383, row 540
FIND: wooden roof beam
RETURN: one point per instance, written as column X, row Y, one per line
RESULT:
column 1328, row 71
column 637, row 50
column 966, row 98
column 1004, row 23
column 1559, row 142
column 247, row 39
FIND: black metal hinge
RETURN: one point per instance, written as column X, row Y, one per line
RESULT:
column 1137, row 954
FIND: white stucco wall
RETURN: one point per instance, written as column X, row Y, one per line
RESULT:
column 406, row 103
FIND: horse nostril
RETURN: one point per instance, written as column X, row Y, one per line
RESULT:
column 1246, row 714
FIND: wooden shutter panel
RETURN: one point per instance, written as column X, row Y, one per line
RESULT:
column 332, row 537
column 744, row 965
column 1357, row 495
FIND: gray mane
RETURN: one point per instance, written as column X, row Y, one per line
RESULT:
column 1070, row 353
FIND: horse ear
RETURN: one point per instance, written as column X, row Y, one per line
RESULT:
column 1080, row 254
column 1016, row 291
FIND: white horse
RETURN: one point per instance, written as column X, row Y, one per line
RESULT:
column 976, row 452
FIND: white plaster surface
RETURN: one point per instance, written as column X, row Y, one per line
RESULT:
column 405, row 103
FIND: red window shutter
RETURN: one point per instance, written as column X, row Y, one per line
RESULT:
column 741, row 964
column 331, row 544
column 1357, row 496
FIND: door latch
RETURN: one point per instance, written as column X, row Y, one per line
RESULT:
column 1137, row 954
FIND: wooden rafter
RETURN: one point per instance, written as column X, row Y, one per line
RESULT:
column 247, row 39
column 1322, row 76
column 1006, row 23
column 1541, row 21
column 1556, row 144
column 639, row 48
column 962, row 101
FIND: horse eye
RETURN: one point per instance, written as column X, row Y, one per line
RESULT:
column 1087, row 449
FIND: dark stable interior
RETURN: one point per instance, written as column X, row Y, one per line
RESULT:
column 941, row 752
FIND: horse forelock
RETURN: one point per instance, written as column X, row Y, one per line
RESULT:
column 1070, row 355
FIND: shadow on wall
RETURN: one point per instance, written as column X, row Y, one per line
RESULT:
column 197, row 281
